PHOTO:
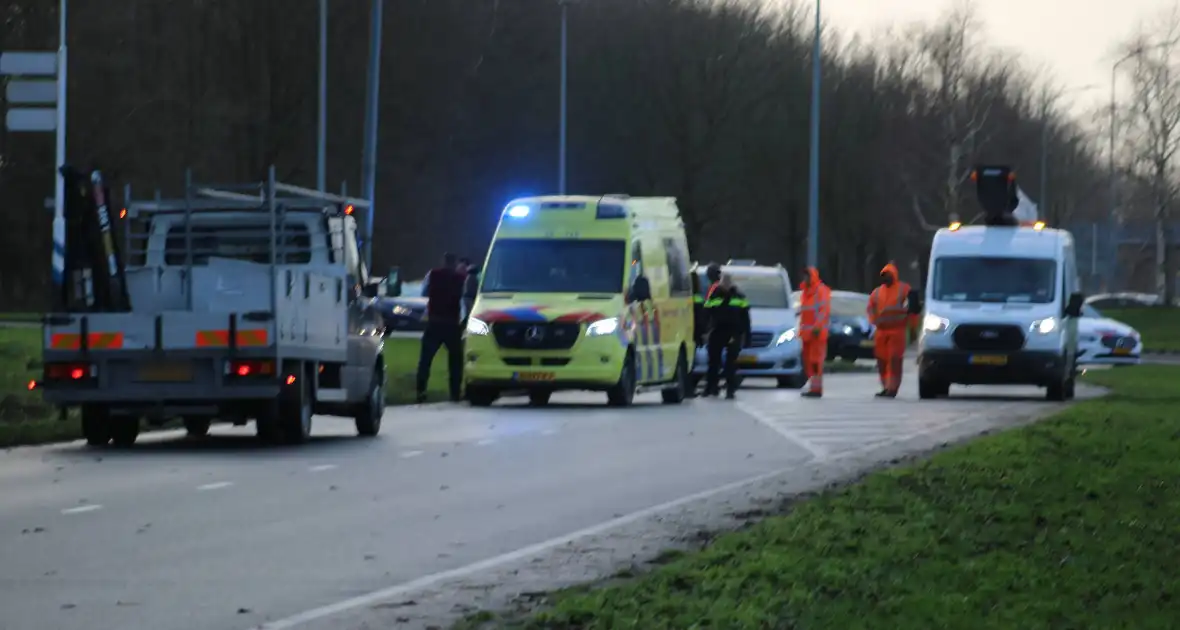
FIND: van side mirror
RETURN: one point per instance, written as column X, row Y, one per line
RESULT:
column 1074, row 307
column 640, row 290
column 393, row 282
column 914, row 299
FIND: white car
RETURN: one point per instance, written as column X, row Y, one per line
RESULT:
column 1105, row 341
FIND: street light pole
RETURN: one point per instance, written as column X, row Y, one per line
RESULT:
column 813, row 183
column 369, row 160
column 321, row 167
column 562, row 117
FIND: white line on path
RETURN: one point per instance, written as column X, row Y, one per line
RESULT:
column 532, row 550
column 215, row 486
column 322, row 467
column 487, row 442
column 82, row 508
column 549, row 432
column 409, row 454
column 816, row 451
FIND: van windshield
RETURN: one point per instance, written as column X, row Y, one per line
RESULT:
column 995, row 279
column 555, row 266
column 761, row 290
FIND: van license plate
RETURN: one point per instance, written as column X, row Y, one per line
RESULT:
column 989, row 359
column 535, row 377
column 176, row 372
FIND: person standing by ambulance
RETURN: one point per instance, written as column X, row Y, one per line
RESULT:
column 815, row 316
column 889, row 312
column 729, row 330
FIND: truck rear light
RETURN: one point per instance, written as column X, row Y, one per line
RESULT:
column 250, row 368
column 70, row 372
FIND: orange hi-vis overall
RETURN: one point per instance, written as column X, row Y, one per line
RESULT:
column 889, row 311
column 815, row 317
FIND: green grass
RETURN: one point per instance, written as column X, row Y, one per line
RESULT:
column 25, row 419
column 1159, row 327
column 1068, row 523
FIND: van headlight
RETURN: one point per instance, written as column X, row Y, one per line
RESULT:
column 787, row 337
column 603, row 327
column 476, row 327
column 934, row 324
column 1044, row 326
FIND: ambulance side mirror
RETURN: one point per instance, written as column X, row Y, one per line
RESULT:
column 1074, row 307
column 640, row 290
column 915, row 302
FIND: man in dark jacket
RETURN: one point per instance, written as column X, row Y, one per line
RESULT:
column 444, row 293
column 729, row 329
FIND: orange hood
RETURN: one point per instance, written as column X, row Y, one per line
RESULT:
column 890, row 271
column 811, row 281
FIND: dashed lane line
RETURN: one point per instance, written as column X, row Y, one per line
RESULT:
column 409, row 454
column 82, row 508
column 214, row 486
column 321, row 468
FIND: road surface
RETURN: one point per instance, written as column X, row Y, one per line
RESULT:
column 222, row 534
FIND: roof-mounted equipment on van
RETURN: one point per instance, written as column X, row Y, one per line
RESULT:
column 995, row 187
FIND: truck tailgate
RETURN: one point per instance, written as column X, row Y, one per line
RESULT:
column 172, row 330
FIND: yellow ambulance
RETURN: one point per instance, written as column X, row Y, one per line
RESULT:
column 583, row 293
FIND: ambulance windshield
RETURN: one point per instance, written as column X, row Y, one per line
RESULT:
column 995, row 279
column 555, row 266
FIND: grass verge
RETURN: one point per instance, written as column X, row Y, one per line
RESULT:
column 25, row 419
column 1065, row 523
column 1159, row 327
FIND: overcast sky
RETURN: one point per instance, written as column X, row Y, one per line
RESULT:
column 1075, row 39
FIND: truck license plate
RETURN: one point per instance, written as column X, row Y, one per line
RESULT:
column 989, row 359
column 536, row 377
column 169, row 372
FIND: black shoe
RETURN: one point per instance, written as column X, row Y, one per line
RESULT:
column 730, row 395
column 811, row 394
column 421, row 398
column 882, row 394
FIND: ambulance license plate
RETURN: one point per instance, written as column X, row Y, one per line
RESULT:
column 989, row 359
column 535, row 377
column 166, row 372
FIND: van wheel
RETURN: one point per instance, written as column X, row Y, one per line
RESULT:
column 124, row 430
column 96, row 425
column 196, row 426
column 622, row 394
column 369, row 413
column 1055, row 392
column 676, row 394
column 539, row 398
column 295, row 406
column 482, row 396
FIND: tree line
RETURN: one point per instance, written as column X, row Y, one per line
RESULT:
column 707, row 101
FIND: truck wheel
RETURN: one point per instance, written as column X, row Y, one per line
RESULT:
column 196, row 427
column 677, row 394
column 124, row 430
column 267, row 424
column 96, row 425
column 295, row 406
column 368, row 417
column 481, row 396
column 622, row 394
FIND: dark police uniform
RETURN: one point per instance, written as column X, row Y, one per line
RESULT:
column 729, row 323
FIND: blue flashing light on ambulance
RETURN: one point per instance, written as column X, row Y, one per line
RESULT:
column 1002, row 300
column 583, row 293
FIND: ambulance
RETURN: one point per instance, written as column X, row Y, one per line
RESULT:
column 1002, row 301
column 583, row 293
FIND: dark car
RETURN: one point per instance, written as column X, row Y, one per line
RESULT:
column 404, row 313
column 850, row 336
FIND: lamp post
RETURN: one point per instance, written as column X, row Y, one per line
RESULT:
column 813, row 180
column 564, row 96
column 369, row 159
column 321, row 162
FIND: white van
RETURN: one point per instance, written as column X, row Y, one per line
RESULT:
column 774, row 349
column 1002, row 306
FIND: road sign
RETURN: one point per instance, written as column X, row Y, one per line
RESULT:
column 29, row 63
column 32, row 92
column 31, row 119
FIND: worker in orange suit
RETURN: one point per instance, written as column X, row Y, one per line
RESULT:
column 889, row 312
column 815, row 316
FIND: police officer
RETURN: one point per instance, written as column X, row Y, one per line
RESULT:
column 729, row 322
column 700, row 318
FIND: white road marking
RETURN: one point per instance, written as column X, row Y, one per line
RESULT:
column 485, row 442
column 532, row 550
column 409, row 454
column 215, row 486
column 549, row 432
column 322, row 467
column 82, row 508
column 817, row 452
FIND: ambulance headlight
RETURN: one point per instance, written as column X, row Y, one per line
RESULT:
column 603, row 327
column 934, row 324
column 787, row 337
column 477, row 327
column 1044, row 326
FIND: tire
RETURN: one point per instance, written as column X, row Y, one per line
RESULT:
column 196, row 426
column 848, row 358
column 792, row 382
column 929, row 389
column 540, row 398
column 482, row 396
column 1071, row 384
column 622, row 394
column 124, row 430
column 295, row 406
column 267, row 425
column 96, row 425
column 677, row 394
column 369, row 413
column 694, row 384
